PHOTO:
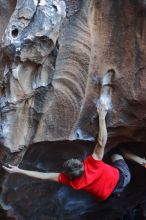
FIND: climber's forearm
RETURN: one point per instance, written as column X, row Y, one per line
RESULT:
column 36, row 174
column 102, row 136
column 40, row 175
column 102, row 139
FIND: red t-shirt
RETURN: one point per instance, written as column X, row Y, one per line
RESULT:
column 99, row 178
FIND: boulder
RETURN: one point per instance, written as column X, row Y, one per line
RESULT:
column 54, row 57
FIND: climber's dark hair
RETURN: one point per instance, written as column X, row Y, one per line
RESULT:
column 73, row 168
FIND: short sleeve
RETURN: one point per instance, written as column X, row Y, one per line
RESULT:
column 63, row 179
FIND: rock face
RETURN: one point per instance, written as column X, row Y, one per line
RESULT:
column 54, row 55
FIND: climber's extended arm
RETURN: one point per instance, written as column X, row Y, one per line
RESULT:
column 35, row 174
column 98, row 152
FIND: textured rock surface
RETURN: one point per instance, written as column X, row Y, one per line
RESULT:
column 54, row 55
column 6, row 9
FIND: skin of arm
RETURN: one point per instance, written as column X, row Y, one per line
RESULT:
column 98, row 152
column 35, row 174
column 130, row 156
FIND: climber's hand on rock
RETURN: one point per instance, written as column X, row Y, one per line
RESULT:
column 11, row 169
column 102, row 109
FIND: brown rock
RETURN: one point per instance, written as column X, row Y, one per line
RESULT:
column 54, row 55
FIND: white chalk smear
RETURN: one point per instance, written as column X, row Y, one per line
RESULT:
column 43, row 3
column 61, row 7
column 106, row 79
column 82, row 136
column 105, row 99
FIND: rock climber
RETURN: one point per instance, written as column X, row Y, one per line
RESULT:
column 92, row 175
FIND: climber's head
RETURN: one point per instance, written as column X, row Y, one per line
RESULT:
column 73, row 168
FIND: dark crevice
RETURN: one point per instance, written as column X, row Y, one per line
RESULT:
column 15, row 32
column 54, row 6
